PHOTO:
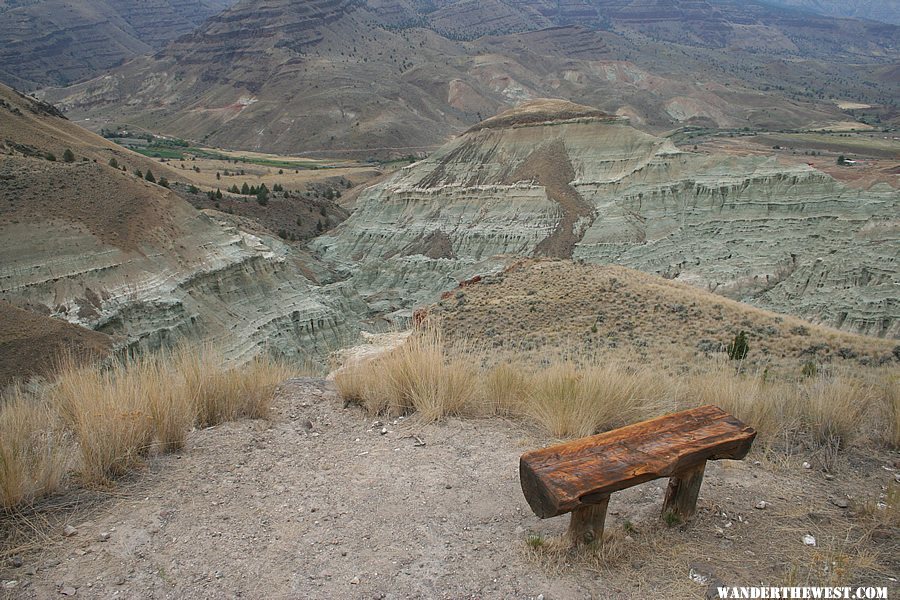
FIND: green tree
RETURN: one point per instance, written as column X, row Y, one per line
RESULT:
column 245, row 189
column 114, row 163
column 149, row 176
column 164, row 182
column 68, row 156
column 218, row 194
column 738, row 348
column 138, row 174
column 262, row 195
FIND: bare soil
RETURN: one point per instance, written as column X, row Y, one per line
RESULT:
column 320, row 502
column 31, row 344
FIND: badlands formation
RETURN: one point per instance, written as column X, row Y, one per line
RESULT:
column 104, row 249
column 557, row 179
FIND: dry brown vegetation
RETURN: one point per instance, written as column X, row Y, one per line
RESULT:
column 578, row 396
column 103, row 422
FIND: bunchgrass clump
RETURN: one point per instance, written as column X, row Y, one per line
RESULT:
column 33, row 449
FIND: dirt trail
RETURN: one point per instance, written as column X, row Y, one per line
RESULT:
column 317, row 503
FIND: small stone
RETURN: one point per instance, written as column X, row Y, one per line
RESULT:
column 540, row 597
column 16, row 562
column 10, row 584
column 69, row 531
column 103, row 536
column 384, row 430
column 699, row 575
column 68, row 590
column 354, row 581
column 448, row 487
column 762, row 505
column 840, row 502
column 809, row 540
column 806, row 465
column 219, row 574
column 829, row 477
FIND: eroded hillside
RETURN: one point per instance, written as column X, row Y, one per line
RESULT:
column 397, row 78
column 103, row 248
column 56, row 42
column 590, row 187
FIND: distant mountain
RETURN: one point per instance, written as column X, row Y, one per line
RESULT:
column 56, row 42
column 886, row 11
column 400, row 76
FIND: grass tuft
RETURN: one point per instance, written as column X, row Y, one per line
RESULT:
column 33, row 450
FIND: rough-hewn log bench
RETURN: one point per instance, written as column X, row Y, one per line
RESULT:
column 579, row 476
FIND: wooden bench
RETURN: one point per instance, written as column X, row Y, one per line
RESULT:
column 579, row 476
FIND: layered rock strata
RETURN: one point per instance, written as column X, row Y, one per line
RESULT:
column 589, row 187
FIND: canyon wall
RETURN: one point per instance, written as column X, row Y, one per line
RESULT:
column 588, row 187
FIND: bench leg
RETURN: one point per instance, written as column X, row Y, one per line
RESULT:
column 681, row 495
column 586, row 525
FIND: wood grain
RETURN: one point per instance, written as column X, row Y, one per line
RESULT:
column 558, row 479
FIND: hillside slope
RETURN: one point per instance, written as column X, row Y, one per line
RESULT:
column 537, row 309
column 104, row 249
column 581, row 185
column 56, row 42
column 397, row 78
column 32, row 344
column 876, row 10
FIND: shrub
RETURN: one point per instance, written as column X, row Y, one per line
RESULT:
column 68, row 156
column 738, row 348
column 114, row 163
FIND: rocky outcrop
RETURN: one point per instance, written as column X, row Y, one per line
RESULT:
column 590, row 187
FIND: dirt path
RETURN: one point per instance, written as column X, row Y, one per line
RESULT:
column 318, row 503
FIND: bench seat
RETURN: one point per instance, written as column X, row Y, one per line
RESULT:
column 583, row 473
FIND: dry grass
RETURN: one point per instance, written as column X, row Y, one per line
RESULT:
column 33, row 452
column 116, row 415
column 417, row 376
column 504, row 387
column 573, row 401
column 172, row 410
column 578, row 396
column 108, row 412
column 221, row 394
column 890, row 393
column 833, row 408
